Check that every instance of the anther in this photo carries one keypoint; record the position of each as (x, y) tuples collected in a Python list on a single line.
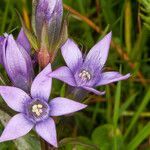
[(40, 106), (85, 75), (37, 109)]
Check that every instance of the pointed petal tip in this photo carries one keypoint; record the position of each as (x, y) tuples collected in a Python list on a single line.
[(124, 77), (127, 76), (67, 43), (23, 41), (83, 106), (109, 35), (102, 93), (55, 145)]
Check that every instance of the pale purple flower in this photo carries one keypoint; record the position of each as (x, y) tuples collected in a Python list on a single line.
[(87, 73), (49, 28), (48, 13), (34, 110), (17, 61)]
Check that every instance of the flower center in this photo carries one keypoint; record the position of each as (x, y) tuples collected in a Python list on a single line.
[(85, 75), (37, 110)]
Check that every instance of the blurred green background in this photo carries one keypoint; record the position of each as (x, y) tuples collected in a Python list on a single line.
[(119, 120)]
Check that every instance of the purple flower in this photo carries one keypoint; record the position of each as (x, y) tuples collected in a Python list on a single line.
[(17, 61), (34, 110), (49, 29), (48, 13), (87, 73)]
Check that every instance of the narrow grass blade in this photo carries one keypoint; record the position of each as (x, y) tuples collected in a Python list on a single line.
[(116, 111), (144, 133), (137, 114), (128, 102)]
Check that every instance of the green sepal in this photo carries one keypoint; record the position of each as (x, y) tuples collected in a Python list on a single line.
[(63, 35), (44, 43)]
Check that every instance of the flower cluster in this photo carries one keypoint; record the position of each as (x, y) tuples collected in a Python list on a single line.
[(29, 94)]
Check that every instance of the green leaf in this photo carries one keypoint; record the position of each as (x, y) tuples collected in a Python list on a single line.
[(103, 137), (79, 143)]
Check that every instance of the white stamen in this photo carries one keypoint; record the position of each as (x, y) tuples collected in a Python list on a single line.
[(37, 109), (85, 75), (38, 113), (40, 106), (34, 107), (40, 110)]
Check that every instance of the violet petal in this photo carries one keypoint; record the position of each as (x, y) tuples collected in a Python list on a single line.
[(23, 41), (17, 127), (97, 56), (47, 131), (109, 77), (90, 89), (41, 86), (72, 55), (14, 97), (64, 74), (63, 106)]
